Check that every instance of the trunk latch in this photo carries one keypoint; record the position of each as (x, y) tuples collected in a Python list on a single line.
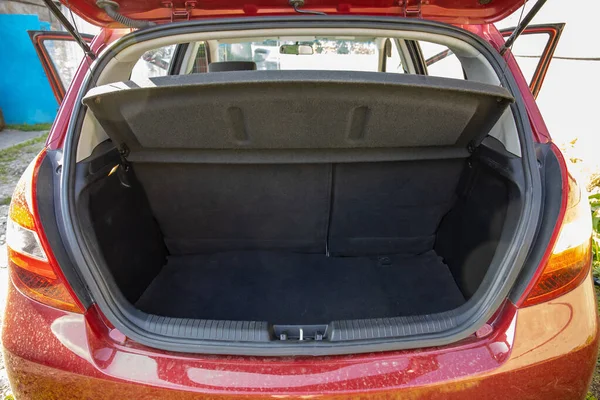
[(300, 333), (411, 10), (179, 14)]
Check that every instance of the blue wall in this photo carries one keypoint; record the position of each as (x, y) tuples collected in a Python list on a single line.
[(25, 94)]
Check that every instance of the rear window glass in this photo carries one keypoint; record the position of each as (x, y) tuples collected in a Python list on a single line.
[(379, 54), (317, 54), (66, 55)]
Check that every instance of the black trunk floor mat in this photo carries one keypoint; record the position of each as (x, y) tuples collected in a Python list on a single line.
[(288, 288)]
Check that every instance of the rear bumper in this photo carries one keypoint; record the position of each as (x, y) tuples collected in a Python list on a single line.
[(544, 351)]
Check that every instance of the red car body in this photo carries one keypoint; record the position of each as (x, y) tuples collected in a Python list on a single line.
[(543, 351), (539, 352)]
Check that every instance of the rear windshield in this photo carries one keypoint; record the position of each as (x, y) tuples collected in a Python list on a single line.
[(377, 54), (318, 54)]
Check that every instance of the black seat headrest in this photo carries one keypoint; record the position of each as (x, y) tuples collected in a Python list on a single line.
[(226, 66)]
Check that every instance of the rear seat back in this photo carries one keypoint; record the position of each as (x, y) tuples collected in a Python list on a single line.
[(229, 66), (345, 209), (390, 207), (209, 208)]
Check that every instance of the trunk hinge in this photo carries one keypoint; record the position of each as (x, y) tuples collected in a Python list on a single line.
[(70, 28), (411, 10), (180, 14), (522, 25)]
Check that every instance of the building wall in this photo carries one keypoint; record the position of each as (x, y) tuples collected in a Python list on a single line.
[(29, 7), (25, 94)]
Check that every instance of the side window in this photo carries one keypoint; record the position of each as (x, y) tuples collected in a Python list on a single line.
[(528, 50), (201, 59), (153, 63), (533, 50), (440, 61), (66, 56), (60, 56)]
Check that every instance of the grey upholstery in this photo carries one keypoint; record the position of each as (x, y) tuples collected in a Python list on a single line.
[(207, 208), (252, 110), (387, 208), (346, 209)]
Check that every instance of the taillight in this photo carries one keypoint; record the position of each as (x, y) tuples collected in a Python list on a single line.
[(33, 268), (569, 262)]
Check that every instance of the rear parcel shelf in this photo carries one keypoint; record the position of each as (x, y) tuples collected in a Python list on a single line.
[(266, 113)]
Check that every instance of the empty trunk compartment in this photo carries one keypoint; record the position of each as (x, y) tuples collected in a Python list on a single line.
[(363, 213), (298, 244)]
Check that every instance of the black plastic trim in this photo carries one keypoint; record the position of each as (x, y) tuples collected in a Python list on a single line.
[(417, 57), (551, 175), (131, 321), (47, 190), (267, 156), (178, 56)]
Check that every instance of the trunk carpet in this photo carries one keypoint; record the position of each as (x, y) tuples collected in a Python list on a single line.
[(289, 288)]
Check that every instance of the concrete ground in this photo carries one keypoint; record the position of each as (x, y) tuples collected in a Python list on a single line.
[(9, 137)]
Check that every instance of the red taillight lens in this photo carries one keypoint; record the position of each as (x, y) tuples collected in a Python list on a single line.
[(569, 262), (33, 268)]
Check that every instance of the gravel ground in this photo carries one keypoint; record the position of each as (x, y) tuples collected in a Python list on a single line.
[(13, 161), (6, 188)]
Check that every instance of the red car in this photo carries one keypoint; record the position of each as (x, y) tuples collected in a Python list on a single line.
[(381, 214)]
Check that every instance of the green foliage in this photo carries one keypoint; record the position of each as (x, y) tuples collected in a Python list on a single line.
[(344, 48), (29, 128), (318, 47)]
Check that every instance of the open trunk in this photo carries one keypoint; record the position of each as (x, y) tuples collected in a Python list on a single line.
[(251, 242), (305, 206)]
